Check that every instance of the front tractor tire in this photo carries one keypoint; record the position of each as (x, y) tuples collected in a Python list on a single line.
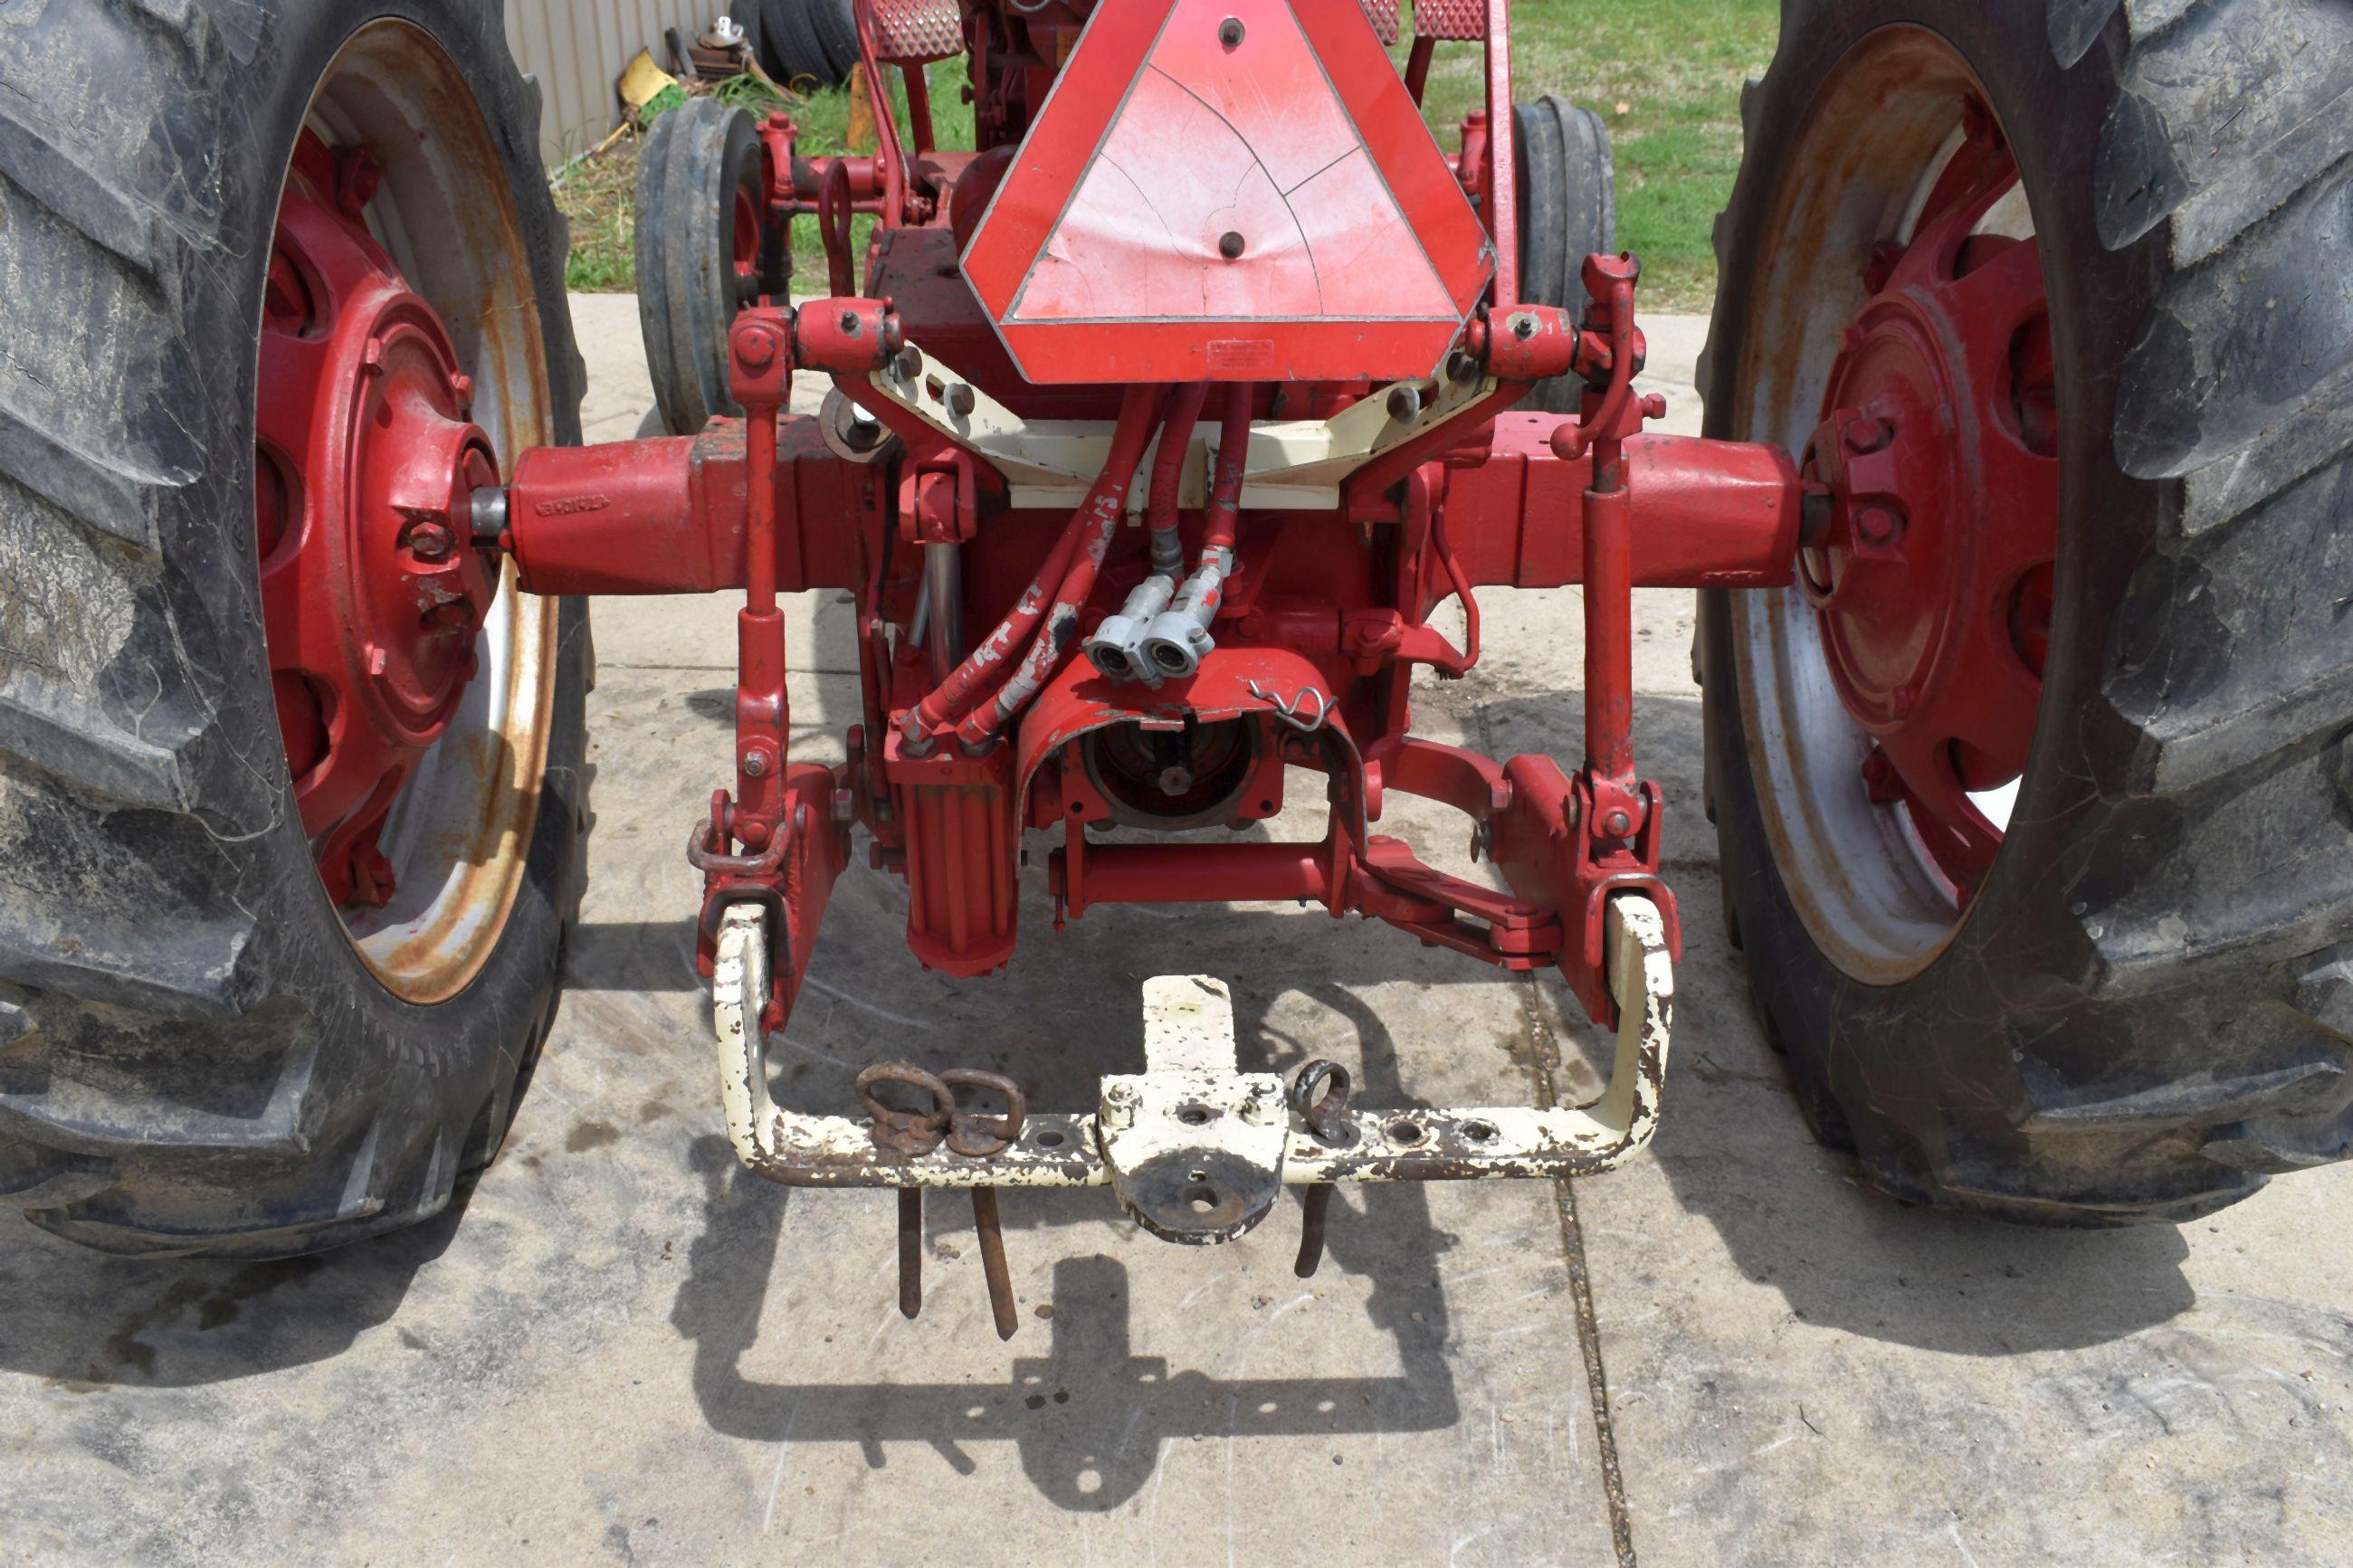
[(705, 250), (1567, 185), (2035, 795), (291, 775)]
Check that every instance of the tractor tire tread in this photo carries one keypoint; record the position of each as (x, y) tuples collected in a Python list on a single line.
[(2221, 884), (680, 263), (835, 26), (792, 49), (1568, 204), (161, 1091)]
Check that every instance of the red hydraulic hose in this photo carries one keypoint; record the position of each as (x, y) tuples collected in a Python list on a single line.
[(1099, 518), (972, 678), (1168, 475), (1179, 636)]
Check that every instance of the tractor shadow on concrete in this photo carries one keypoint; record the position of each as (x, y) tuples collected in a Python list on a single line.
[(1089, 1417), (1734, 1149), (85, 1320)]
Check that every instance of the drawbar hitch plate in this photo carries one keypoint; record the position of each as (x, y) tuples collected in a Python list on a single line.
[(1194, 1150)]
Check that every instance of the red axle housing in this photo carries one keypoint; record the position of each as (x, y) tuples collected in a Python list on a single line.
[(971, 474)]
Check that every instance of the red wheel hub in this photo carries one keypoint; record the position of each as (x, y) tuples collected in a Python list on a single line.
[(1932, 575), (372, 590)]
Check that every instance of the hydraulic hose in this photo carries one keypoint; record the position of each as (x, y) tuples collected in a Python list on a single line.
[(1179, 636), (1233, 455), (1099, 516), (1098, 519), (1168, 477), (972, 678), (1116, 649)]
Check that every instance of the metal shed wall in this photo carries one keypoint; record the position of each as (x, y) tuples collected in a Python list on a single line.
[(577, 47)]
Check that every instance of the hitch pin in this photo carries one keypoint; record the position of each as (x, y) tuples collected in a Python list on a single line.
[(978, 1137), (911, 1133), (1325, 1114), (992, 1262), (911, 1251)]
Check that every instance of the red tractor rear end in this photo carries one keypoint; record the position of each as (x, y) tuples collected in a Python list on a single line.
[(1162, 427)]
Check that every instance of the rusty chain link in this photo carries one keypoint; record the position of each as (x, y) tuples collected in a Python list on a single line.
[(906, 1133), (975, 1136), (971, 1133)]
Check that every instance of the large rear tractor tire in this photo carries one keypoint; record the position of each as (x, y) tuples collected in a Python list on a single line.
[(291, 775), (2035, 796)]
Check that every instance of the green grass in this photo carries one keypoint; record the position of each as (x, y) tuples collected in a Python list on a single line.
[(1664, 74), (599, 195), (824, 124)]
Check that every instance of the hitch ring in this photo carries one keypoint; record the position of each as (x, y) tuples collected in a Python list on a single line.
[(1325, 1114), (978, 1137), (908, 1132)]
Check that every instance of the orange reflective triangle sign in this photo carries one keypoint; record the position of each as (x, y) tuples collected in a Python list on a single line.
[(1228, 189)]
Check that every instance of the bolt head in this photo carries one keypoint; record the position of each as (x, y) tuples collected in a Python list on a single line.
[(1617, 824), (1875, 524), (1229, 245), (755, 763), (1865, 434), (1230, 32), (429, 542), (755, 350)]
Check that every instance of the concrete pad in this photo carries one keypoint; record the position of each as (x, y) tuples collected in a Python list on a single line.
[(626, 1348)]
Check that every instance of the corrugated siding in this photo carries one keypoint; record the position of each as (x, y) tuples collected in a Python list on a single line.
[(578, 48)]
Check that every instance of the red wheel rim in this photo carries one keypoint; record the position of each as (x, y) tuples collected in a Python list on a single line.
[(372, 594), (1933, 578)]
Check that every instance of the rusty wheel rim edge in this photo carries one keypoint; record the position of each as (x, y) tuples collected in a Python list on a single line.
[(456, 836), (1879, 900)]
